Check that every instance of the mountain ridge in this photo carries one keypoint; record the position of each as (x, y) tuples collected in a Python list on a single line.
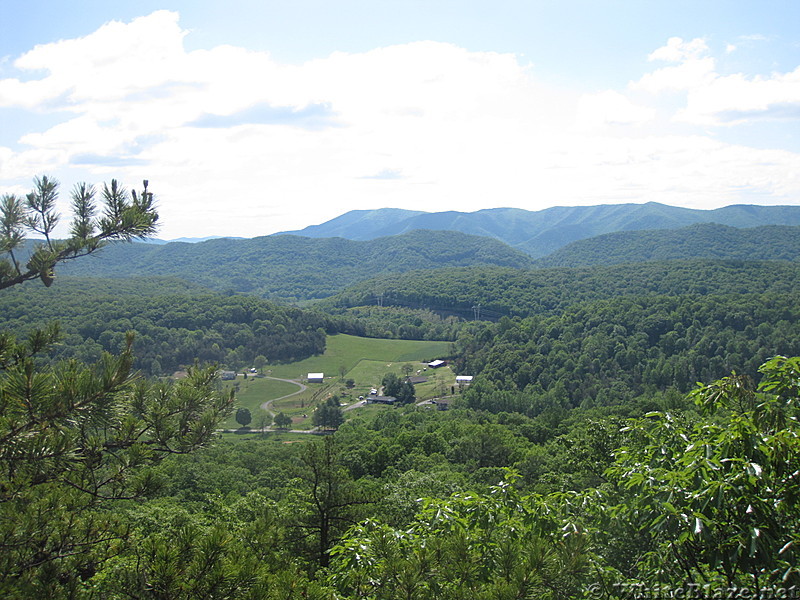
[(539, 233)]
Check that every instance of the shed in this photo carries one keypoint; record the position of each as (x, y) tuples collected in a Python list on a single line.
[(463, 379), (315, 377), (436, 364)]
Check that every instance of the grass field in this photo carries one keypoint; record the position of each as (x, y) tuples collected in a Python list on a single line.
[(365, 360), (252, 393), (348, 350)]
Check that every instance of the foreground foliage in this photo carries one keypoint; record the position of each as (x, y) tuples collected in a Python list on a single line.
[(76, 440), (706, 502)]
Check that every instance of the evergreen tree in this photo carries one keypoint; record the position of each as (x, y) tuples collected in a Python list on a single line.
[(76, 438), (124, 217)]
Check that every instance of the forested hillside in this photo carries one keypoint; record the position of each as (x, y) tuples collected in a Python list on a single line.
[(610, 351), (292, 267), (175, 323), (583, 461), (522, 292), (709, 241)]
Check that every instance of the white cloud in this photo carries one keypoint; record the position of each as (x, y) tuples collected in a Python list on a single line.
[(236, 143), (694, 68), (713, 99), (610, 108), (736, 99), (678, 50)]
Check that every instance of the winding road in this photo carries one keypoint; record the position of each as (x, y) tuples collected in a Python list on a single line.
[(267, 406)]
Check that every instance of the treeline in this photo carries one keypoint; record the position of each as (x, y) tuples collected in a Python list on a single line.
[(175, 323), (522, 292), (610, 351)]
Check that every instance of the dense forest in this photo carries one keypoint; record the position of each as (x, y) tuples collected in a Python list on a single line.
[(524, 292), (175, 324), (296, 268), (709, 240), (610, 351), (632, 431)]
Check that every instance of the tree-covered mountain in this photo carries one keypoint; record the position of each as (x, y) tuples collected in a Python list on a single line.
[(707, 240), (539, 233), (293, 267), (490, 293)]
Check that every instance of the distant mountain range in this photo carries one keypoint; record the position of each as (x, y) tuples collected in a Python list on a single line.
[(189, 240), (299, 268), (539, 233)]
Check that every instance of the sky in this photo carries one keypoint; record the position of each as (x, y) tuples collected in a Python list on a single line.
[(255, 117)]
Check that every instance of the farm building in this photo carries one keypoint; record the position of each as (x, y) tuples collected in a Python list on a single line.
[(315, 377), (381, 400), (436, 364), (463, 379)]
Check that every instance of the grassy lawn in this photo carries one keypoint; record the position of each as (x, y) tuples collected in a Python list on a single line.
[(440, 382)]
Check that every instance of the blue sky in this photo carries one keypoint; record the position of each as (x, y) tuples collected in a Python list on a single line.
[(255, 117)]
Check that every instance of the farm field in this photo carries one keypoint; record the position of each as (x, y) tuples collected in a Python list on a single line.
[(347, 350), (365, 360), (252, 393)]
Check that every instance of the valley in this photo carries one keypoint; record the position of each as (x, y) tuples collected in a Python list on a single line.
[(595, 370)]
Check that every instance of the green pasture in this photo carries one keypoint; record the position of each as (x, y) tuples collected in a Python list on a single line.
[(348, 350), (365, 360), (252, 393), (440, 383)]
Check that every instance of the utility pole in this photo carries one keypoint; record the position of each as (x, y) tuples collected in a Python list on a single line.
[(476, 312)]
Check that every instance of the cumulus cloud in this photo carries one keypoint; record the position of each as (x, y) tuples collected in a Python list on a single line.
[(610, 108), (736, 99), (716, 99), (237, 143), (678, 50)]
